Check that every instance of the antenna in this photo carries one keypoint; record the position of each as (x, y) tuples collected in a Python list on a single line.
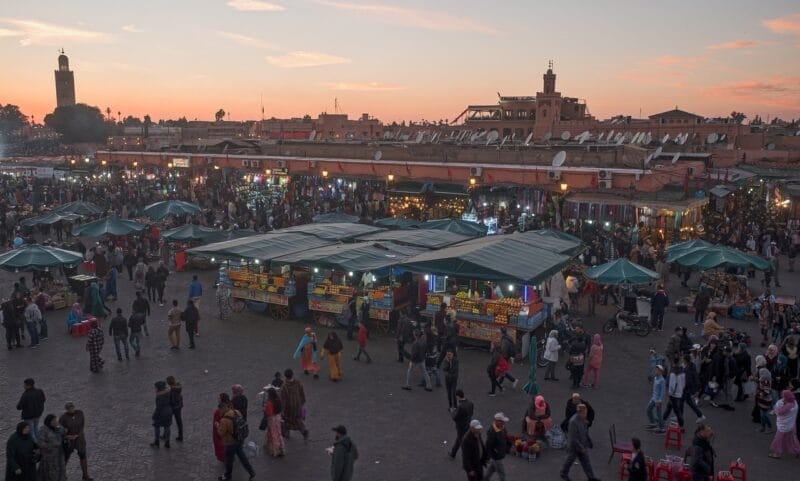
[(565, 135), (528, 139), (335, 105), (559, 158), (378, 155), (676, 157), (657, 152), (665, 139)]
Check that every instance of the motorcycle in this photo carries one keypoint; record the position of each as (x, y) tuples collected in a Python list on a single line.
[(629, 322)]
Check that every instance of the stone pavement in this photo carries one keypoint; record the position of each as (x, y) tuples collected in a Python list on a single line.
[(401, 435)]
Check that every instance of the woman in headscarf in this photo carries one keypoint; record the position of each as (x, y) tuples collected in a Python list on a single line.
[(332, 349), (75, 315), (760, 363), (551, 355), (307, 352), (790, 350), (538, 414), (94, 345), (98, 306), (111, 284), (785, 440), (595, 361), (50, 439), (222, 406), (20, 460), (764, 399), (239, 400), (273, 438)]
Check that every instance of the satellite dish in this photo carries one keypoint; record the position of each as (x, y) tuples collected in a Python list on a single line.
[(581, 139), (505, 139), (473, 137), (683, 138), (648, 159), (312, 135), (481, 134), (559, 158), (493, 135), (547, 136), (565, 135), (610, 135), (657, 152), (665, 139), (419, 138), (600, 137), (723, 137), (797, 134), (635, 139), (712, 138), (378, 155), (621, 139), (528, 139), (770, 146), (435, 137), (676, 157)]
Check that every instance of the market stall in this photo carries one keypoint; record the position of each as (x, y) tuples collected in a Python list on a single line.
[(43, 260), (250, 282)]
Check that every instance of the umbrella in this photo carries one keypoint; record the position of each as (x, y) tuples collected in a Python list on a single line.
[(677, 249), (225, 235), (400, 223), (334, 217), (558, 235), (463, 227), (703, 258), (80, 207), (50, 218), (188, 232), (107, 225), (166, 208), (36, 257), (620, 271), (530, 387)]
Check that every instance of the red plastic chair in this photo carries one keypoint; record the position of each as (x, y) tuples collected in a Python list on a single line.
[(738, 471), (622, 448), (674, 437), (725, 476), (623, 465), (663, 471)]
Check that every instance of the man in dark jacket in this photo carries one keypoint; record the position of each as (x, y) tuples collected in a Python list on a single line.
[(417, 361), (572, 408), (701, 454), (450, 368), (744, 369), (176, 401), (659, 303), (343, 455), (497, 447), (118, 329), (142, 308), (461, 417), (473, 452), (31, 405), (578, 444), (162, 415), (701, 302)]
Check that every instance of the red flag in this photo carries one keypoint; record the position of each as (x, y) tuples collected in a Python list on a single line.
[(373, 168), (408, 168), (449, 173), (490, 177), (341, 168), (594, 180)]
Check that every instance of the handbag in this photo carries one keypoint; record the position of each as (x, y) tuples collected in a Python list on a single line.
[(263, 424)]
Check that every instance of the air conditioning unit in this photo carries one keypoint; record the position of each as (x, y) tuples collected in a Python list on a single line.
[(281, 164), (605, 184), (604, 175), (255, 163), (245, 163), (554, 175), (475, 171)]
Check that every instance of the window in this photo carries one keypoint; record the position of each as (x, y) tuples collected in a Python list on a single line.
[(509, 114), (506, 132), (522, 115), (544, 112)]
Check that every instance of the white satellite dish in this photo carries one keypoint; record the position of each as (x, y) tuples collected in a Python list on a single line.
[(636, 136), (481, 133), (528, 139), (657, 152), (378, 155), (797, 134), (770, 146), (600, 137), (676, 157), (473, 137), (582, 138), (547, 136), (312, 135), (435, 137), (505, 139), (665, 139), (493, 135), (712, 138), (648, 159), (610, 135), (565, 135), (723, 137), (420, 136), (682, 138), (621, 139), (559, 158)]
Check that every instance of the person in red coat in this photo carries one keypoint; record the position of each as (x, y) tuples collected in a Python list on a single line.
[(219, 447), (362, 343)]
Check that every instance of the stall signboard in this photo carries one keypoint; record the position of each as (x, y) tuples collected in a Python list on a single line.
[(378, 313), (321, 305), (259, 295), (180, 162), (483, 331)]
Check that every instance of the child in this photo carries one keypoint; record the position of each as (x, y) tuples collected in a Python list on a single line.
[(362, 343), (595, 361)]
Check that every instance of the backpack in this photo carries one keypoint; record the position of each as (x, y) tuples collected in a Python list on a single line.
[(240, 428)]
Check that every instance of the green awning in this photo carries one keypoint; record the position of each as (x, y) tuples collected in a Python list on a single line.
[(80, 207), (408, 188), (543, 239), (457, 226), (225, 235), (359, 257), (107, 225), (338, 232), (621, 271), (426, 238), (704, 258), (719, 191), (160, 210), (188, 232), (334, 217), (450, 189), (496, 258), (264, 247), (36, 257), (50, 218), (396, 223)]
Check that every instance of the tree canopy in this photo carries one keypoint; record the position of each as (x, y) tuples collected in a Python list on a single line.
[(78, 123), (12, 120)]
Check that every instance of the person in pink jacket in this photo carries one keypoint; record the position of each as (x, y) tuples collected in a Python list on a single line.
[(595, 361)]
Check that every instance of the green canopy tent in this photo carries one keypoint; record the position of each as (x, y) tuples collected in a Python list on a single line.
[(35, 257), (429, 239), (188, 232), (704, 258), (400, 223), (263, 247), (358, 257), (160, 210), (456, 226), (225, 235), (335, 232), (494, 258), (79, 207), (568, 245), (620, 271), (556, 234), (675, 250), (107, 225), (335, 218), (50, 218)]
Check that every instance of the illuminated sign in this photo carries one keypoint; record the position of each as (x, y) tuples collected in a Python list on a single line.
[(180, 162)]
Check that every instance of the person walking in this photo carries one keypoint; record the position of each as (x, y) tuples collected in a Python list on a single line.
[(111, 284), (273, 437), (9, 322), (174, 329), (675, 390), (658, 305), (404, 335), (161, 281), (41, 303), (307, 352), (150, 283), (450, 369), (99, 308), (195, 293), (595, 361), (332, 351), (701, 302), (223, 401), (362, 343), (94, 346), (473, 452), (118, 330), (31, 406), (343, 455), (239, 400), (231, 427), (497, 447), (637, 466), (293, 400), (141, 308), (572, 407), (129, 261), (176, 402), (654, 406), (32, 319), (52, 466), (578, 444), (744, 370), (74, 423), (551, 349), (21, 454), (417, 362), (140, 276), (701, 454), (162, 415), (785, 440), (461, 417), (577, 359), (190, 317), (692, 387), (135, 323)]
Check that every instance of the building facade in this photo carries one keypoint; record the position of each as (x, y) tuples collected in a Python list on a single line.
[(65, 82)]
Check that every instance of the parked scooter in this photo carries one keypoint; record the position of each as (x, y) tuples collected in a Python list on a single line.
[(628, 322)]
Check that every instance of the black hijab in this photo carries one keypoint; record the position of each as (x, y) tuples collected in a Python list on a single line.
[(20, 427), (333, 344)]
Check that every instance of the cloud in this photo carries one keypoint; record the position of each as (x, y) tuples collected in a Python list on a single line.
[(788, 24), (255, 6), (364, 87), (411, 18), (131, 29), (778, 91), (735, 45), (246, 41), (300, 59), (35, 32), (678, 61)]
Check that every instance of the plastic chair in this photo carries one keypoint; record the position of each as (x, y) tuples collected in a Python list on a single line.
[(725, 476), (674, 438), (738, 470), (622, 448), (663, 471), (623, 465)]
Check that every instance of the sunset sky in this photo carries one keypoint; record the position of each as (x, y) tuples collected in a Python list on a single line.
[(398, 60)]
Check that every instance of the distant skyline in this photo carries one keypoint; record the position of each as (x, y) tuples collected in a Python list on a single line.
[(408, 60)]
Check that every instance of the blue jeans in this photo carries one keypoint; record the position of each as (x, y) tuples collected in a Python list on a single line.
[(655, 418), (766, 422), (42, 328), (34, 424), (136, 342), (232, 451), (33, 331), (121, 340)]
